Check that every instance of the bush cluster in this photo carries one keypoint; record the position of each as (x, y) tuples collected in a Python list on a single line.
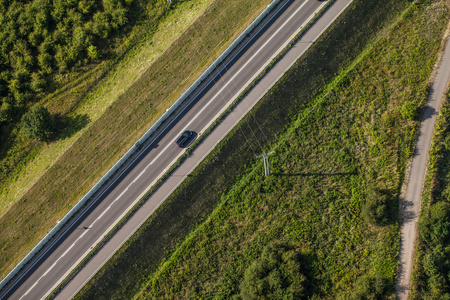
[(370, 287), (435, 235), (38, 123), (377, 208), (277, 274)]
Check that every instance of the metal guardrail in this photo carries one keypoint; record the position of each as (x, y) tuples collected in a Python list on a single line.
[(135, 148)]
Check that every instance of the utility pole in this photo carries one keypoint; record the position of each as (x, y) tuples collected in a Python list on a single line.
[(266, 162)]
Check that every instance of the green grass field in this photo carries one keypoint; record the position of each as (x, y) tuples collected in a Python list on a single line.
[(68, 173), (342, 133)]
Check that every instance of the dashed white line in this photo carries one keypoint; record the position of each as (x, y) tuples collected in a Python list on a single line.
[(68, 249)]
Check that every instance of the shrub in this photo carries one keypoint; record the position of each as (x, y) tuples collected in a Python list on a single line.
[(409, 110), (277, 274), (435, 229), (376, 210), (370, 287), (38, 123), (447, 142)]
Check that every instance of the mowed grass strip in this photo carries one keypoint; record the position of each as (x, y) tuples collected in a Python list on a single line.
[(355, 135), (107, 139)]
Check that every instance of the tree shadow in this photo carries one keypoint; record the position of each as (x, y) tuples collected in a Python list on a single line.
[(68, 126), (315, 174)]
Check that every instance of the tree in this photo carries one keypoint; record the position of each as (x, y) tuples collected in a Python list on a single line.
[(376, 210), (370, 287), (38, 123), (409, 110), (435, 230), (101, 26), (92, 52), (7, 111), (38, 82), (277, 274)]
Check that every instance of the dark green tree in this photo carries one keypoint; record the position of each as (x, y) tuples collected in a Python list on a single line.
[(38, 82), (435, 230), (38, 123), (409, 110), (376, 209), (370, 287), (7, 111), (277, 274)]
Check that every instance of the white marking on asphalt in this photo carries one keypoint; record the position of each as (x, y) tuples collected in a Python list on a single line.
[(157, 156), (137, 177), (29, 290), (102, 214), (49, 269), (68, 249)]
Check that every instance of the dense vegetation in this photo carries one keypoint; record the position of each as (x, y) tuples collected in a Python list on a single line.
[(42, 38), (346, 147), (432, 269), (276, 274)]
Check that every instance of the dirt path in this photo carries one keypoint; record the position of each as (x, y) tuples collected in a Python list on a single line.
[(410, 206)]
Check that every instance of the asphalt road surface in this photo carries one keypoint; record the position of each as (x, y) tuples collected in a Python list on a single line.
[(411, 203), (161, 153)]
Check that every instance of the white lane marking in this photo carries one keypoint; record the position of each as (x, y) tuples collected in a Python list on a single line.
[(49, 269), (71, 246), (232, 78), (137, 177), (157, 156), (68, 249), (29, 290), (103, 213)]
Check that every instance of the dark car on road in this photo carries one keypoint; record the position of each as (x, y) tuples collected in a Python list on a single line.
[(183, 139)]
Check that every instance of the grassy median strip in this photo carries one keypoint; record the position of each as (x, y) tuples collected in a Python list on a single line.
[(120, 125), (222, 217)]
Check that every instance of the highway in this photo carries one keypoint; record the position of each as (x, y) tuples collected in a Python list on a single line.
[(157, 156)]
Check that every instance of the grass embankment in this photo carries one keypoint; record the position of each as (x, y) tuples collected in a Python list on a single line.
[(354, 137), (431, 261), (119, 125)]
